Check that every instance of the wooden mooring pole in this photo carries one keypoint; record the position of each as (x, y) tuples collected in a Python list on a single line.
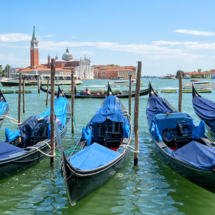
[(129, 101), (180, 91), (38, 81), (136, 113), (23, 94), (72, 102), (47, 93), (19, 98), (52, 110)]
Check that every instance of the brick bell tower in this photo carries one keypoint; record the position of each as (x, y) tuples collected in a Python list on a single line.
[(34, 50)]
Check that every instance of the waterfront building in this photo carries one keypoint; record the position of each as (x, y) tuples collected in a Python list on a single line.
[(79, 67), (114, 72)]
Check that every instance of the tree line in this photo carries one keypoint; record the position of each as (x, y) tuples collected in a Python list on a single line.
[(4, 72), (199, 75)]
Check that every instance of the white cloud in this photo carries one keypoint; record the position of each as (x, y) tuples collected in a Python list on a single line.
[(14, 37), (202, 33)]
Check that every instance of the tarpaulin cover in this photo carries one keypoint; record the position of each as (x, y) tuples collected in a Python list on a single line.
[(11, 135), (164, 121), (198, 155), (6, 149), (87, 135), (110, 109), (3, 107), (205, 109), (126, 131), (60, 109), (156, 105), (93, 157), (34, 128)]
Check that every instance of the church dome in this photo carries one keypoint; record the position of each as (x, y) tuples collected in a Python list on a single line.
[(67, 56)]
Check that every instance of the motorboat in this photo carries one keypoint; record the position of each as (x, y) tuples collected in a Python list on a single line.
[(199, 85), (186, 77), (123, 83), (32, 80), (60, 79)]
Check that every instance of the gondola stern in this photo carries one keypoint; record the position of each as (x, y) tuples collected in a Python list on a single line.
[(109, 90), (194, 92), (151, 91)]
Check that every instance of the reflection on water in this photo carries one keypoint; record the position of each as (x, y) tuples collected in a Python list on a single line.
[(149, 188)]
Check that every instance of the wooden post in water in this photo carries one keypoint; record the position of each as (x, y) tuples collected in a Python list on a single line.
[(52, 109), (47, 93), (136, 113), (23, 94), (180, 91), (72, 102), (38, 81), (129, 101), (19, 98)]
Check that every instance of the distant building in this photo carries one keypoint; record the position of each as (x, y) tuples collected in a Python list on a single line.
[(80, 67), (114, 72)]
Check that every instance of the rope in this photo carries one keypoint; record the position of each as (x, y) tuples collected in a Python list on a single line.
[(127, 147), (73, 119), (31, 147)]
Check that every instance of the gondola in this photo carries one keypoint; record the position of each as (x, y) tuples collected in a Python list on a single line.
[(4, 109), (26, 146), (183, 146), (104, 143), (205, 110), (94, 96)]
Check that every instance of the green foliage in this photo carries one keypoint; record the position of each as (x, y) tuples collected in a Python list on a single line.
[(7, 91), (182, 72), (199, 91), (28, 67), (7, 67), (200, 71), (26, 91), (113, 65), (168, 91)]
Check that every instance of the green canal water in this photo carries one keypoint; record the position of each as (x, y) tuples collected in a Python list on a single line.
[(149, 188)]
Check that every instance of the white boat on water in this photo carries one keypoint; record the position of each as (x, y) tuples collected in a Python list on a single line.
[(60, 79), (32, 80), (199, 85), (123, 83)]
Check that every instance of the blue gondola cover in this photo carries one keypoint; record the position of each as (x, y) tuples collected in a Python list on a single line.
[(156, 105), (93, 157), (7, 150), (111, 110), (32, 127), (163, 121), (205, 109), (198, 155)]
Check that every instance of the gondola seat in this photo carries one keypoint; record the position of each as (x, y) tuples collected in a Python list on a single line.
[(181, 125)]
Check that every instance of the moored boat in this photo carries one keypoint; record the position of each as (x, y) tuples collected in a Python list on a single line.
[(28, 145), (4, 109), (205, 110), (184, 146), (123, 83), (104, 142), (97, 95), (199, 85)]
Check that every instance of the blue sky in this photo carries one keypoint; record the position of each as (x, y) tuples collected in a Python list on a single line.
[(165, 35)]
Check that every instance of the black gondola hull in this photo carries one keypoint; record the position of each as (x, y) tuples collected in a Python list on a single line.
[(20, 163), (203, 178), (81, 184), (68, 95)]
